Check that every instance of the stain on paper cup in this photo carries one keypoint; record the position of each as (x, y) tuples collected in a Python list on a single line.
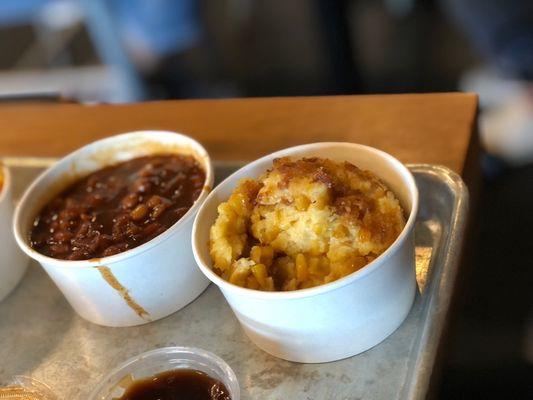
[(124, 293)]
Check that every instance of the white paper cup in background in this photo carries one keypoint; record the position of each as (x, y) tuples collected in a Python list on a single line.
[(338, 319), (13, 262), (139, 285)]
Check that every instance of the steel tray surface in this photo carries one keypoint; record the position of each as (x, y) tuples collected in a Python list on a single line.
[(42, 337)]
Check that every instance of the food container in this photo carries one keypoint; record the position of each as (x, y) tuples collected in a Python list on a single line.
[(153, 362), (139, 285), (338, 319), (13, 262), (26, 388)]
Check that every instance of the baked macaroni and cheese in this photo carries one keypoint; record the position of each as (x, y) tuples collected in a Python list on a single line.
[(304, 223)]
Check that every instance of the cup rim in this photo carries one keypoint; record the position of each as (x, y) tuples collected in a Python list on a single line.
[(6, 185), (204, 354), (200, 153), (369, 268)]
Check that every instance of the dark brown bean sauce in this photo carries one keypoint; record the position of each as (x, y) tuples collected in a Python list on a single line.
[(118, 207), (181, 384)]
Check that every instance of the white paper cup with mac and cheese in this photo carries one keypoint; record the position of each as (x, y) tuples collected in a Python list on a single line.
[(338, 319)]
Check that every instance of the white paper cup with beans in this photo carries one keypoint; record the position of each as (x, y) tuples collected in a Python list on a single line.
[(111, 224)]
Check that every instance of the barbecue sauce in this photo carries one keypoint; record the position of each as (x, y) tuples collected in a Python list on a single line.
[(180, 384)]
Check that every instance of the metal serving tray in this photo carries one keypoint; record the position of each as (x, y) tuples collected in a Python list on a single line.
[(42, 337)]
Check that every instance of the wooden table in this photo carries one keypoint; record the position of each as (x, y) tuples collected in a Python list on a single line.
[(432, 128)]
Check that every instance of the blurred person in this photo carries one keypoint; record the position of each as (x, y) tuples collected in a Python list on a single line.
[(170, 45), (153, 44), (155, 29), (502, 32), (166, 42)]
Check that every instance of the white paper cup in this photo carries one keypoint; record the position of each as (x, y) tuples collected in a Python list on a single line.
[(338, 319), (139, 285), (13, 262)]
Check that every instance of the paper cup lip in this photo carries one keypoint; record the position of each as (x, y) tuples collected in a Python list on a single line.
[(21, 234), (6, 182), (408, 181)]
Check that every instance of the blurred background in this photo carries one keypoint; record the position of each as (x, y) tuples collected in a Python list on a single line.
[(128, 50), (134, 50)]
